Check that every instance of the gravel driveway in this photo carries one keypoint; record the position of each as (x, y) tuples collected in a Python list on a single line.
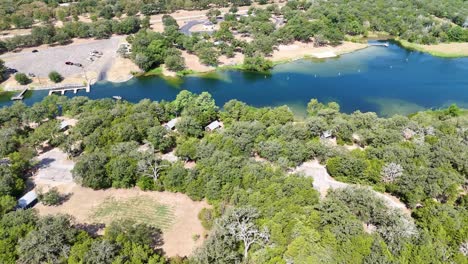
[(323, 181)]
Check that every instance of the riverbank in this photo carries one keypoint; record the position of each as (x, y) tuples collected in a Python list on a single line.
[(282, 54), (444, 50)]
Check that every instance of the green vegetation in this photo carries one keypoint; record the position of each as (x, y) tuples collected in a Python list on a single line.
[(260, 213), (2, 71), (443, 54), (142, 209), (55, 77), (51, 197), (22, 78)]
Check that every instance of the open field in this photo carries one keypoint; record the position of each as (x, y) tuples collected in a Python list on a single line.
[(447, 50), (139, 209), (175, 213)]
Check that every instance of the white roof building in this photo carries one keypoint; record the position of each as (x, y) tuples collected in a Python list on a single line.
[(327, 134), (171, 124), (27, 199), (65, 124), (213, 125)]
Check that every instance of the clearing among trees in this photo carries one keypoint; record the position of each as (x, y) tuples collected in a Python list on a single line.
[(176, 214)]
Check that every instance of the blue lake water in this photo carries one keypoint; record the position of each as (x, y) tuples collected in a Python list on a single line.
[(384, 80)]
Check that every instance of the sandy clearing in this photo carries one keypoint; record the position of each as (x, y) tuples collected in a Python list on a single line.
[(54, 170), (299, 50), (192, 62), (121, 70), (178, 238), (237, 59), (323, 181)]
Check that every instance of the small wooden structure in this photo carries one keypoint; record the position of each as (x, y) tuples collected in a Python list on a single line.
[(27, 200), (213, 125)]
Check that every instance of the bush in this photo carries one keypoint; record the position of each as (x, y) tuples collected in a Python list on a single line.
[(55, 77), (52, 197), (146, 183), (175, 62), (257, 63), (22, 79), (206, 217)]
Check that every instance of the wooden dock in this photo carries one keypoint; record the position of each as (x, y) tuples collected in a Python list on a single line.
[(70, 87), (20, 96), (381, 44)]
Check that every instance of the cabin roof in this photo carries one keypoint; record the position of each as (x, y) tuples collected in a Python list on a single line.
[(27, 199), (65, 123), (213, 125), (171, 124)]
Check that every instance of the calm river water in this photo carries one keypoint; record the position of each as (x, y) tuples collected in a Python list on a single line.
[(384, 80)]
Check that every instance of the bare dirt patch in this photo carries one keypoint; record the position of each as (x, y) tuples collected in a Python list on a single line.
[(193, 62), (121, 70), (299, 50), (54, 169), (175, 213), (323, 181)]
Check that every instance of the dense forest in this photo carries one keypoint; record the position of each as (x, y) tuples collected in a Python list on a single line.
[(262, 213), (323, 22)]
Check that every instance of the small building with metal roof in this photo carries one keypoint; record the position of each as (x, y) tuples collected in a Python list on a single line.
[(213, 125), (27, 200), (171, 124)]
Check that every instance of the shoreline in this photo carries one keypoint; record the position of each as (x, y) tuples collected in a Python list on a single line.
[(443, 50), (283, 54)]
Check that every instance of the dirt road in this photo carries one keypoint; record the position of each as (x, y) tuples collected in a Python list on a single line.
[(323, 181)]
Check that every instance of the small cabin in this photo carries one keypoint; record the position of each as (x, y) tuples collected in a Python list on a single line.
[(213, 125), (171, 124), (27, 200), (326, 134), (65, 124)]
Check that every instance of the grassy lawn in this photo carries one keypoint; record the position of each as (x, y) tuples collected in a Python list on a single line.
[(140, 209), (443, 51)]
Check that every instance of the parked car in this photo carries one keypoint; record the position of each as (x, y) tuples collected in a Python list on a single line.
[(34, 51), (69, 63), (11, 71), (31, 74), (90, 58), (78, 64)]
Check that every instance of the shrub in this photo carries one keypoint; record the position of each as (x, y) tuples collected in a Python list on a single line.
[(146, 183), (52, 197), (22, 78), (55, 77)]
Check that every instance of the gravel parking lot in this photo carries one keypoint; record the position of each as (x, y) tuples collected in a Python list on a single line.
[(48, 59), (54, 168)]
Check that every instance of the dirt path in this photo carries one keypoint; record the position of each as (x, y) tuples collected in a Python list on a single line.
[(323, 181)]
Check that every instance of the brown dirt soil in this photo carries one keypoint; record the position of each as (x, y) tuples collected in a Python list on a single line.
[(121, 70), (178, 237), (298, 50)]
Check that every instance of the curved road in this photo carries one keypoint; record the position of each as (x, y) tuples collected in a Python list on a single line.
[(323, 181)]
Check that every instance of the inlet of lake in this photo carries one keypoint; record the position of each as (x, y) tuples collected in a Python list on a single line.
[(387, 80)]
